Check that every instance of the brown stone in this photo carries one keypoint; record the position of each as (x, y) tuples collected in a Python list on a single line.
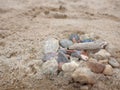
[(103, 61), (96, 67), (83, 75), (108, 70)]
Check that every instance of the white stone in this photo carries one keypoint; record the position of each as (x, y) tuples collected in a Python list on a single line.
[(69, 67)]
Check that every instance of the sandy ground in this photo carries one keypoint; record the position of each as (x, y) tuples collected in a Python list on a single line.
[(25, 24)]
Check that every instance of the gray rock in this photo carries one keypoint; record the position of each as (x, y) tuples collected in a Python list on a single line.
[(113, 62), (89, 45), (50, 67), (76, 54), (83, 75), (74, 37), (65, 43), (62, 58), (64, 50), (51, 45)]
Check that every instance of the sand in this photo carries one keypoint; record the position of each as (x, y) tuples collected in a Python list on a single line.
[(25, 24)]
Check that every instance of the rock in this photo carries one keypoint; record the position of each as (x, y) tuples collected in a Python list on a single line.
[(89, 45), (103, 61), (113, 62), (50, 67), (102, 54), (84, 88), (51, 45), (76, 53), (49, 56), (96, 67), (62, 58), (83, 75), (75, 38), (64, 50), (84, 57), (60, 66), (65, 43), (70, 67), (93, 60), (73, 59), (108, 70), (87, 40)]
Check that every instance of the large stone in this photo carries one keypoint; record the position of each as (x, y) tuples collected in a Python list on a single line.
[(96, 67), (89, 45), (113, 62), (102, 54), (83, 75), (65, 43), (50, 67), (108, 70), (51, 45), (69, 67)]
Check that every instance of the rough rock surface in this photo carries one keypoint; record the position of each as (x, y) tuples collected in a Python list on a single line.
[(96, 67), (88, 45), (51, 45), (103, 61), (70, 67), (83, 75), (108, 70), (114, 63), (65, 43), (102, 54)]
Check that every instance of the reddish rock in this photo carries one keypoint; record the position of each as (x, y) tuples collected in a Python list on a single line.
[(96, 67)]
